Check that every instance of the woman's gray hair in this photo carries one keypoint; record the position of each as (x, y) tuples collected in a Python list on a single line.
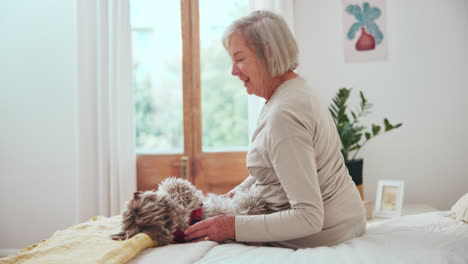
[(269, 37)]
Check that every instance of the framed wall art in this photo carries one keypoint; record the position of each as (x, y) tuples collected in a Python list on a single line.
[(365, 30), (389, 199)]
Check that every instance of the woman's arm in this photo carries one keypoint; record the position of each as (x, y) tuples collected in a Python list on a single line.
[(242, 186), (293, 160), (294, 163)]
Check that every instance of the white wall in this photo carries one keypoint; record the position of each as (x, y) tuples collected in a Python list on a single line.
[(38, 120), (423, 83)]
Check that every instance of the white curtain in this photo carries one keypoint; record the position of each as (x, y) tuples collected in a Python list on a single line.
[(285, 8), (107, 175)]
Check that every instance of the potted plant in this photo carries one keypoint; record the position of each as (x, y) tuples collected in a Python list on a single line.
[(352, 133)]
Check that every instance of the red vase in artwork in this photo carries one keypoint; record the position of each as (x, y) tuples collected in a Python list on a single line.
[(366, 41)]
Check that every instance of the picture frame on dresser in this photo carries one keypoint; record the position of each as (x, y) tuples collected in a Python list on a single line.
[(389, 198)]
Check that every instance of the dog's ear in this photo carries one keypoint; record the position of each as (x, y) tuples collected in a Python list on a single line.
[(129, 226), (120, 236), (160, 234), (126, 234)]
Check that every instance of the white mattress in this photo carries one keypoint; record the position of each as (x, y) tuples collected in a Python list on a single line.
[(423, 238)]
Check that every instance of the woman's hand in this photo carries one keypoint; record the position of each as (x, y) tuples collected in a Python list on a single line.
[(217, 228)]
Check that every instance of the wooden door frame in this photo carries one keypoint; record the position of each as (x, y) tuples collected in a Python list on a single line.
[(191, 86), (206, 172), (152, 168)]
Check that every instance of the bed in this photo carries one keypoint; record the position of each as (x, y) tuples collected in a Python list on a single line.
[(421, 238)]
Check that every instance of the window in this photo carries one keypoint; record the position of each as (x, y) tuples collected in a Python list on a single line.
[(188, 105), (224, 99), (157, 57)]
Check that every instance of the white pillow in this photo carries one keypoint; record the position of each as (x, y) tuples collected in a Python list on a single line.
[(460, 209)]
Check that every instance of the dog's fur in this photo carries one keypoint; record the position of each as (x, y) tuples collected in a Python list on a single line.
[(160, 213)]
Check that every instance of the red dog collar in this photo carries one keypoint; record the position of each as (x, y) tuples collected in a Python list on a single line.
[(195, 217)]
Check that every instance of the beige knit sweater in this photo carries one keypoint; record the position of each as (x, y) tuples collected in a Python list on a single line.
[(296, 164)]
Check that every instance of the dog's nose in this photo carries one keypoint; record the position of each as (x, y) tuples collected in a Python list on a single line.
[(135, 194)]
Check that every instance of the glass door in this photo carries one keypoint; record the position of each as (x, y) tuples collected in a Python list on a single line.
[(225, 136), (191, 113)]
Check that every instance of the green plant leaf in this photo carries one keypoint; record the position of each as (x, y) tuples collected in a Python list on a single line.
[(352, 133), (359, 128), (356, 138), (387, 125), (333, 112), (343, 118), (375, 129), (363, 99), (333, 108), (355, 147), (368, 135)]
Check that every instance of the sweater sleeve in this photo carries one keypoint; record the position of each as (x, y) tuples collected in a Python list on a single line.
[(293, 161), (245, 184)]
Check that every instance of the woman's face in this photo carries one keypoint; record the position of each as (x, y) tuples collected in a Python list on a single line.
[(246, 65)]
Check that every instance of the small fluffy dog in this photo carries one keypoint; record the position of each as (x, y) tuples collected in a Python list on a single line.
[(161, 213)]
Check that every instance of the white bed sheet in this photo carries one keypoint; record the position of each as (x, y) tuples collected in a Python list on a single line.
[(423, 238)]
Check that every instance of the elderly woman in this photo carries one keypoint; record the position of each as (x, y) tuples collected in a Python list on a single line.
[(294, 160)]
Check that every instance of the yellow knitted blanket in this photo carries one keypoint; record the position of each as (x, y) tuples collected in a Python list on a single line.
[(88, 242)]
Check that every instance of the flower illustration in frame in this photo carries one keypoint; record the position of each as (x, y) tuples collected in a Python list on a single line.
[(364, 26)]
